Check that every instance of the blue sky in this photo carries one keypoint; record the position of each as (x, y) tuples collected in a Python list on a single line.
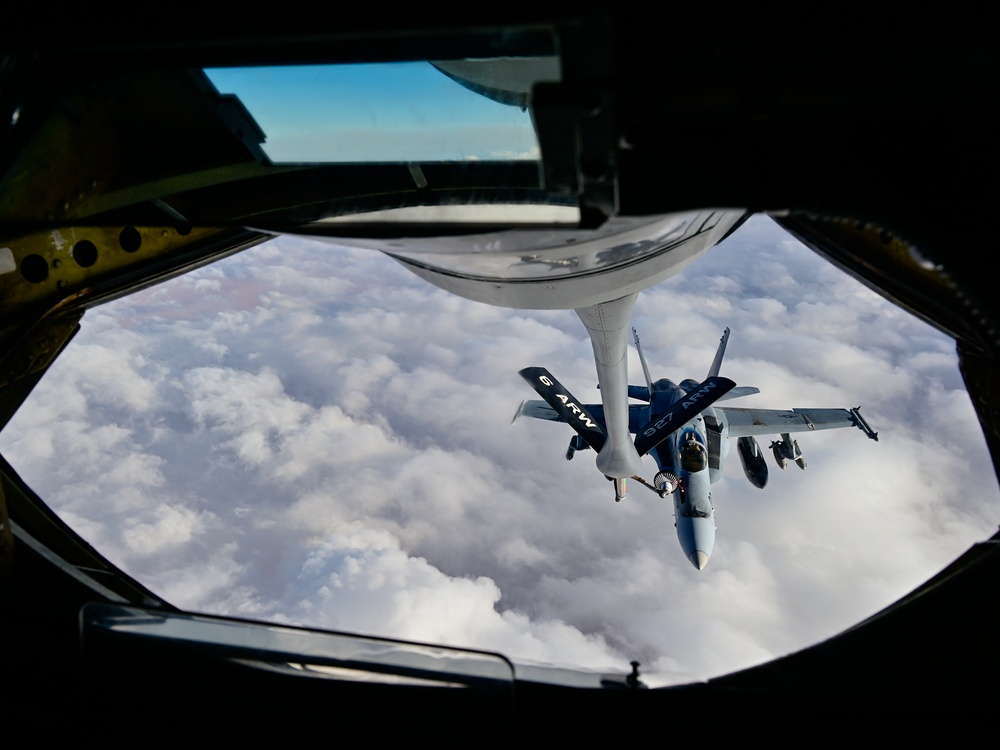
[(310, 434), (375, 112)]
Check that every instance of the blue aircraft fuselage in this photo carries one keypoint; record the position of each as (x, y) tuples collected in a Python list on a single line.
[(683, 461)]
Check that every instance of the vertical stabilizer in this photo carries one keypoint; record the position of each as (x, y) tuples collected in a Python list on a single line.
[(717, 362), (645, 367)]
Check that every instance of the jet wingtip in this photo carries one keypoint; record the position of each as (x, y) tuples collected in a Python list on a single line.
[(519, 412)]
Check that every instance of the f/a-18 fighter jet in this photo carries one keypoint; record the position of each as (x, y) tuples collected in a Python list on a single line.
[(686, 435)]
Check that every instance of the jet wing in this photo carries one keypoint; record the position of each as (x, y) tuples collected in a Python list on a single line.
[(637, 413), (754, 422)]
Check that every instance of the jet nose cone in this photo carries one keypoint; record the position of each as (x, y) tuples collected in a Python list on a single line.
[(699, 559)]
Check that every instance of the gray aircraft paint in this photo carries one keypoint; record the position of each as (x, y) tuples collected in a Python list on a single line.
[(693, 510)]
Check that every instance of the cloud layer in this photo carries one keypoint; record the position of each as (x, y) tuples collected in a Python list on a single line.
[(310, 434)]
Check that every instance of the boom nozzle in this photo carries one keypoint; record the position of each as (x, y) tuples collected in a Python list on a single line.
[(619, 490)]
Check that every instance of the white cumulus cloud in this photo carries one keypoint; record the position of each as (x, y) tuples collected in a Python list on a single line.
[(311, 434)]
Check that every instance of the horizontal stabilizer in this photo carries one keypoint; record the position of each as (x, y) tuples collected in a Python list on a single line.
[(653, 433), (639, 392), (571, 411)]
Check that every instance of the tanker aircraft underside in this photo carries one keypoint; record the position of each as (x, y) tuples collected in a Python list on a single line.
[(685, 434)]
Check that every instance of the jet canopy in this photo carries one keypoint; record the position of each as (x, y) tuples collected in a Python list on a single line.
[(693, 455)]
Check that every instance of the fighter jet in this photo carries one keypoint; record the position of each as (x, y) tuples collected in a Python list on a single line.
[(687, 436)]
